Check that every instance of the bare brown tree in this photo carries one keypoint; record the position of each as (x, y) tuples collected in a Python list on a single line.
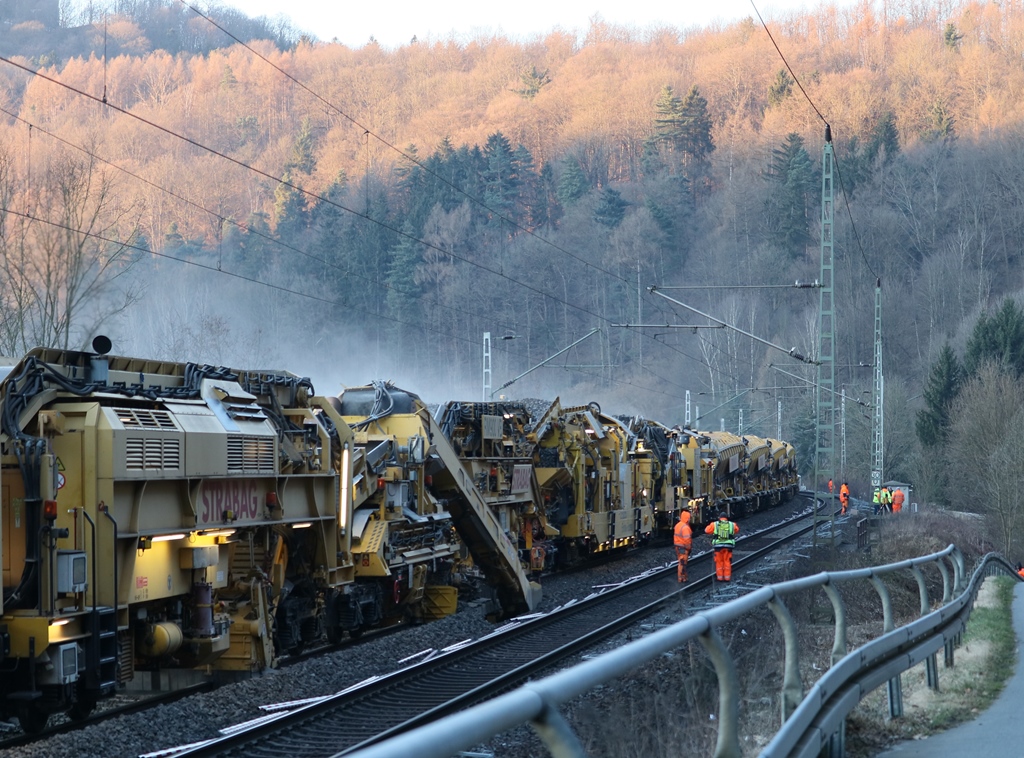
[(63, 259)]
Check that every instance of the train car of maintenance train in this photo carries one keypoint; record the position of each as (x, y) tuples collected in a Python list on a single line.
[(576, 482), (182, 519), (171, 520)]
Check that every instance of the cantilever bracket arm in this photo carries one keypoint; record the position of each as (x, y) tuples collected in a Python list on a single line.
[(549, 358), (792, 353)]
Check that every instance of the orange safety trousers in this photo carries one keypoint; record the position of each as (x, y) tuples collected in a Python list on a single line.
[(723, 564), (682, 555)]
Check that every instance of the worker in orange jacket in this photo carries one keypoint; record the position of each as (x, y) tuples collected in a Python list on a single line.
[(844, 497), (1020, 571), (723, 540), (897, 501), (683, 539)]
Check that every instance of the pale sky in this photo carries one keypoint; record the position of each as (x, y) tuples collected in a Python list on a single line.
[(394, 23)]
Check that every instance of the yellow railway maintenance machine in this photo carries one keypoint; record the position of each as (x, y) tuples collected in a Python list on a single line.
[(173, 518)]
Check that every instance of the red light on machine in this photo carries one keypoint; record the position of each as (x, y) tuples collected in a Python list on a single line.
[(271, 499), (380, 482), (50, 509), (430, 480)]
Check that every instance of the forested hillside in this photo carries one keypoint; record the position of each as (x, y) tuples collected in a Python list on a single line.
[(359, 213)]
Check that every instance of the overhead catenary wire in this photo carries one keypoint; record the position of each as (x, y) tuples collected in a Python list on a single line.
[(367, 133), (242, 226), (258, 282), (828, 126), (329, 201), (791, 352)]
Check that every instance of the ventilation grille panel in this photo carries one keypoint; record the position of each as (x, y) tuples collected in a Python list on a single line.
[(248, 454), (152, 454), (144, 418)]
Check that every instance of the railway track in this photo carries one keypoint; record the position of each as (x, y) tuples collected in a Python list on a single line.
[(142, 703), (466, 674)]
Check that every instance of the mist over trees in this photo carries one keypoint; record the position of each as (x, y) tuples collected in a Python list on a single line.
[(534, 190)]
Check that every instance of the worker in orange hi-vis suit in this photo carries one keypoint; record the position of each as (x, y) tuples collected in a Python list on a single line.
[(723, 540), (683, 539), (844, 497), (897, 501)]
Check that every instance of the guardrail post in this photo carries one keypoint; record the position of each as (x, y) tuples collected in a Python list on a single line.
[(728, 695), (792, 687), (556, 733), (947, 585), (895, 692), (922, 590), (931, 671), (836, 746), (949, 647), (895, 686), (959, 570), (839, 611), (931, 663), (883, 594)]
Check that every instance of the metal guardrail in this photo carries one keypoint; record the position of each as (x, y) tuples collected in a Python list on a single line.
[(811, 724)]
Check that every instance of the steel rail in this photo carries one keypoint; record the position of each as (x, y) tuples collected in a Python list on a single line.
[(810, 725), (144, 702), (394, 704)]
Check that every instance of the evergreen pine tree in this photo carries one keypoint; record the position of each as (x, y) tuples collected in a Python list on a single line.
[(651, 162), (409, 174), (944, 382), (572, 184), (546, 210), (402, 298), (227, 78), (173, 240), (695, 125), (529, 205), (327, 226), (533, 81), (780, 89), (257, 249), (289, 211), (885, 140), (668, 118), (247, 128), (793, 172), (500, 178), (951, 37), (942, 124), (303, 158), (998, 339), (611, 208)]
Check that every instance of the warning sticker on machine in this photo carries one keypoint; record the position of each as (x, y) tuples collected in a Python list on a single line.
[(141, 581)]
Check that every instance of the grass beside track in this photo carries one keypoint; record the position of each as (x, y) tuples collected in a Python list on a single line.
[(982, 665)]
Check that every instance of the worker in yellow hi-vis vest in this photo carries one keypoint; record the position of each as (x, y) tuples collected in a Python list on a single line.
[(723, 540)]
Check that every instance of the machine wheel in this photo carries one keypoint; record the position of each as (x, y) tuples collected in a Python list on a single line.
[(32, 721), (81, 709)]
